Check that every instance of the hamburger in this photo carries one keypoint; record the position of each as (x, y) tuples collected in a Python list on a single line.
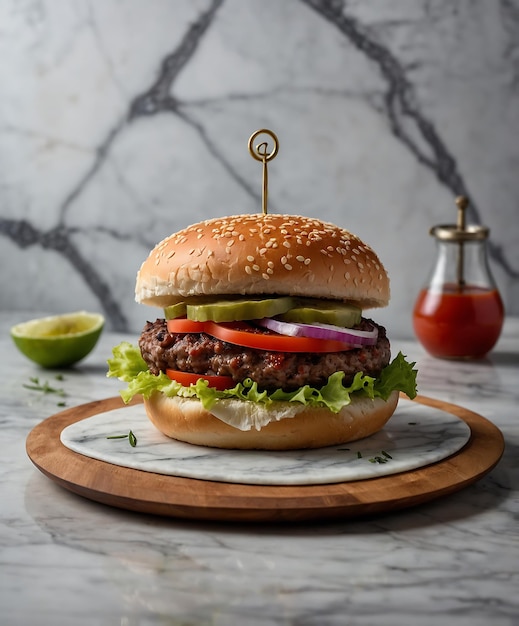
[(263, 343)]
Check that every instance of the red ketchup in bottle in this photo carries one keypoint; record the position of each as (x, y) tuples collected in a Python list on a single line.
[(459, 314), (458, 323)]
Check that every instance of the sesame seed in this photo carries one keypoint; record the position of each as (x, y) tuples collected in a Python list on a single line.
[(255, 268), (286, 244), (250, 258), (288, 266), (308, 261), (248, 269), (265, 276), (284, 260), (300, 258)]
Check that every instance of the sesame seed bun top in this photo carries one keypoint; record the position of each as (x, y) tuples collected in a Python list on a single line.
[(257, 254)]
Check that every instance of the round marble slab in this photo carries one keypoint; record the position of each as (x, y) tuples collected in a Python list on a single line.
[(416, 436)]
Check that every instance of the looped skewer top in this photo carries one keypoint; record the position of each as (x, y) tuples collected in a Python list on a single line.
[(261, 153)]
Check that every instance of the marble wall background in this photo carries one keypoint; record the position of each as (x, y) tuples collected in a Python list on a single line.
[(122, 121)]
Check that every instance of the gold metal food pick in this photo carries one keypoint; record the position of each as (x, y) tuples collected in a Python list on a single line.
[(261, 153)]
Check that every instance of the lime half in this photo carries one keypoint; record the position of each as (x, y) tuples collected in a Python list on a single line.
[(60, 340)]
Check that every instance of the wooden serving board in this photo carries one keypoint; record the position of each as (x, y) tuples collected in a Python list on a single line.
[(158, 494)]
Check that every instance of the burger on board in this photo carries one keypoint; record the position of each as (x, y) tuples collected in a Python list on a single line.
[(263, 343)]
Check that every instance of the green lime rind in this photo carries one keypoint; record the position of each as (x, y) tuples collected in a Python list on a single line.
[(59, 340)]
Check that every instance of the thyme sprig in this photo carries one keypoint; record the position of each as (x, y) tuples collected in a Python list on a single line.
[(130, 436), (45, 387)]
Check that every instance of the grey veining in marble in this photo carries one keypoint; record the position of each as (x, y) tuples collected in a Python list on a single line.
[(121, 122), (414, 437)]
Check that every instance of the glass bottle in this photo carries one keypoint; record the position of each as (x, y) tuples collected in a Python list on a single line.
[(459, 314)]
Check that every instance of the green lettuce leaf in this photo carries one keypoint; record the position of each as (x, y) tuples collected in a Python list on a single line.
[(128, 366), (399, 374)]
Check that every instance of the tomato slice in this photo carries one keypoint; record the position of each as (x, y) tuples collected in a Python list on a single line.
[(183, 325), (188, 378), (243, 334)]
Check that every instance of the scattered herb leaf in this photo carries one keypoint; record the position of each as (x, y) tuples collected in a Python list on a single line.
[(359, 455), (378, 459), (412, 423), (130, 436), (383, 457), (44, 387)]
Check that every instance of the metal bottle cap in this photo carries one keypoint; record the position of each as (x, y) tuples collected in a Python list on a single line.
[(460, 231)]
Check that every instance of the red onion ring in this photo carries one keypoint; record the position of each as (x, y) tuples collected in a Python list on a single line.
[(355, 338)]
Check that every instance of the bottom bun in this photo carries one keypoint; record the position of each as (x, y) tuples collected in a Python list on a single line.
[(185, 419)]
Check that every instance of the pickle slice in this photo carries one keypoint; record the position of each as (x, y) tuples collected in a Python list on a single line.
[(324, 312), (175, 310), (234, 310)]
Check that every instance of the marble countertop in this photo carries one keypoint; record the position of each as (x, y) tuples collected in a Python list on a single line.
[(68, 560)]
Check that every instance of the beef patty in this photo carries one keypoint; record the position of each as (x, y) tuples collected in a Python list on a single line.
[(200, 353)]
